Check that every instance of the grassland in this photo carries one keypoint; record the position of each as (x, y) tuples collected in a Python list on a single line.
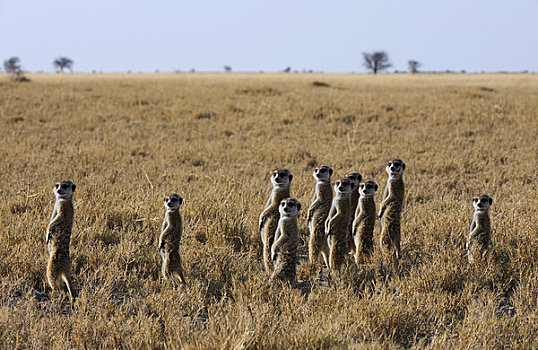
[(127, 140)]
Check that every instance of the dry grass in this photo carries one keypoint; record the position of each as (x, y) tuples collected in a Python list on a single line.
[(127, 140)]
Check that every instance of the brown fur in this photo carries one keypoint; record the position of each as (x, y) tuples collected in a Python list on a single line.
[(169, 241), (390, 212), (479, 238), (58, 240), (363, 227), (284, 249), (337, 227), (355, 178), (268, 221), (317, 216)]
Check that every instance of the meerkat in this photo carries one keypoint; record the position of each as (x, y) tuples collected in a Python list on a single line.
[(284, 248), (268, 222), (170, 237), (355, 179), (391, 208), (337, 224), (363, 225), (59, 236), (318, 213), (480, 233)]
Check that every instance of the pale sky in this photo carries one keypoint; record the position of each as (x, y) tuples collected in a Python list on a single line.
[(329, 36)]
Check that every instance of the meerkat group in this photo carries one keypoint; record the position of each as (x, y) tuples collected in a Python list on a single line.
[(338, 224)]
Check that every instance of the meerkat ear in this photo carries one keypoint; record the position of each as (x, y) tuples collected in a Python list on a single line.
[(403, 165), (330, 171), (73, 187), (490, 200), (298, 206), (375, 186), (290, 177), (360, 177), (180, 200)]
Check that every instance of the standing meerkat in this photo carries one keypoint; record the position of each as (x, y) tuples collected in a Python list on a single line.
[(363, 225), (337, 224), (318, 213), (269, 217), (480, 233), (170, 238), (284, 249), (355, 178), (391, 208), (59, 236)]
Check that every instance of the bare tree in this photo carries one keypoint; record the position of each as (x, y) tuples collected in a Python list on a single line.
[(413, 66), (376, 61), (227, 68), (287, 69), (63, 62)]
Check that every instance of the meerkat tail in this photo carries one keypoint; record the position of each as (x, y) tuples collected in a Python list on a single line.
[(69, 286)]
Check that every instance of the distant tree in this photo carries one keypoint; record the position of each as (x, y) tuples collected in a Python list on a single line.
[(413, 66), (63, 62), (287, 69), (227, 68), (376, 61), (13, 66)]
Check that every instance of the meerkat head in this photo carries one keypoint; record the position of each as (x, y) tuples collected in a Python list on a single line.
[(482, 203), (289, 207), (395, 168), (343, 187), (367, 189), (355, 179), (281, 178), (323, 173), (172, 202), (64, 189)]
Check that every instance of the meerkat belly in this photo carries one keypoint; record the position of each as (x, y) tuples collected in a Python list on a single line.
[(319, 219)]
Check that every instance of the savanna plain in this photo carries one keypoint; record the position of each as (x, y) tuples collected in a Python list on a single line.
[(128, 140)]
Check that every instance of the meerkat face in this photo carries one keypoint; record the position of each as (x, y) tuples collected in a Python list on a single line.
[(289, 207), (343, 186), (367, 189), (173, 202), (395, 167), (355, 179), (323, 173), (64, 189), (281, 177), (482, 203)]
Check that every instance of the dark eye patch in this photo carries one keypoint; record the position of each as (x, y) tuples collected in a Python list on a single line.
[(323, 170), (64, 186), (291, 204)]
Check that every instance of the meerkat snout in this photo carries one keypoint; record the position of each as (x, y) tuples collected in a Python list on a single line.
[(395, 167), (367, 189), (343, 186), (173, 202), (64, 189), (281, 177), (290, 207), (483, 203), (323, 173)]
